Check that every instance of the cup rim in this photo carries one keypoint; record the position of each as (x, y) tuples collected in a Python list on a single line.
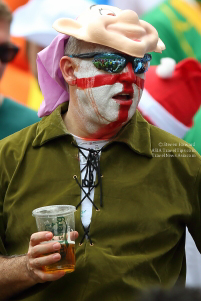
[(65, 210)]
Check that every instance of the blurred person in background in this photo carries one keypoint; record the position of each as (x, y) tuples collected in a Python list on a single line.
[(33, 21), (18, 71), (13, 116)]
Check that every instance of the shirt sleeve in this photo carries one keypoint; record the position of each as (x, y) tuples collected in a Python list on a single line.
[(2, 193), (2, 248)]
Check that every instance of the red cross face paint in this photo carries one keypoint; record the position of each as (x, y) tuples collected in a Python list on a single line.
[(105, 100)]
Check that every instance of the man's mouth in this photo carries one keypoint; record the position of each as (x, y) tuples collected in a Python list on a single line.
[(124, 98)]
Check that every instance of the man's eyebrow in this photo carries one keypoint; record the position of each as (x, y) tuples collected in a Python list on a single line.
[(93, 6)]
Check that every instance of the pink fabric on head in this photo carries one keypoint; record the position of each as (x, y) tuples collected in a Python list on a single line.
[(50, 77)]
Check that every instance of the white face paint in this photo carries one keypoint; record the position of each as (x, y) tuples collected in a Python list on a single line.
[(96, 102)]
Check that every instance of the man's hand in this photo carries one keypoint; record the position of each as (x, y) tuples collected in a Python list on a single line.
[(20, 272), (40, 254)]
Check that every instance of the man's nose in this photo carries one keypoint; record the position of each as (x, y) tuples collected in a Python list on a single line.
[(128, 75)]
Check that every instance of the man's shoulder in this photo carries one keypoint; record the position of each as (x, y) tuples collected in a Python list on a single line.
[(166, 145), (14, 148), (159, 136)]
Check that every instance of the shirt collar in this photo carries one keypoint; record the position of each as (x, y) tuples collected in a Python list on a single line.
[(51, 127), (136, 133)]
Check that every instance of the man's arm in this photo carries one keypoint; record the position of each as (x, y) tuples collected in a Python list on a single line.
[(14, 276), (18, 273)]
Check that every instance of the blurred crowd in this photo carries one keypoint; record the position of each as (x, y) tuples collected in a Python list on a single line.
[(172, 96)]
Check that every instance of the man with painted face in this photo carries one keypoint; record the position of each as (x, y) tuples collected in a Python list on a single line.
[(93, 150)]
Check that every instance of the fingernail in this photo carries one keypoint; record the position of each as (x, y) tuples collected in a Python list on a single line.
[(56, 246), (48, 236), (56, 256)]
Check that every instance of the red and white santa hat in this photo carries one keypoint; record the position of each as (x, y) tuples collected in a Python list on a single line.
[(172, 95)]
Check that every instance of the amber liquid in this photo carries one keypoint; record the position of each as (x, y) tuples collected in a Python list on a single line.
[(67, 261)]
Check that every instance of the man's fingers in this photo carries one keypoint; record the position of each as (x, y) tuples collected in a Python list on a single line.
[(44, 248), (43, 251), (39, 262), (38, 237), (49, 277), (74, 235)]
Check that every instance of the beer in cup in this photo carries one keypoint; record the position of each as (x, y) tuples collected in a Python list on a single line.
[(59, 219)]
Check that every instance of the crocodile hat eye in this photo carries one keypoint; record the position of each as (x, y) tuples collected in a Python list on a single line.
[(106, 12)]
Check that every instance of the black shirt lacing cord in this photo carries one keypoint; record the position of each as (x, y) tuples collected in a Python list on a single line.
[(93, 163)]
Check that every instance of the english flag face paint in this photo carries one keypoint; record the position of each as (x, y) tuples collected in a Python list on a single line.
[(107, 101)]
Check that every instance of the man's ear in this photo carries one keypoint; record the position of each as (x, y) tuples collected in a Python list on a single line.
[(67, 68)]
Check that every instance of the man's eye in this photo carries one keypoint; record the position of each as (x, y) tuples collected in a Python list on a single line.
[(106, 12)]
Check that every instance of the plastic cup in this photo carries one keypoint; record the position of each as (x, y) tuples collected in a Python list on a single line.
[(59, 219)]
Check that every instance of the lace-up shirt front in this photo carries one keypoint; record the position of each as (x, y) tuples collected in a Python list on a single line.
[(84, 147)]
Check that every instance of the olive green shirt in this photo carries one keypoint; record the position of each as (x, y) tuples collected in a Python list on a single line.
[(151, 190)]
